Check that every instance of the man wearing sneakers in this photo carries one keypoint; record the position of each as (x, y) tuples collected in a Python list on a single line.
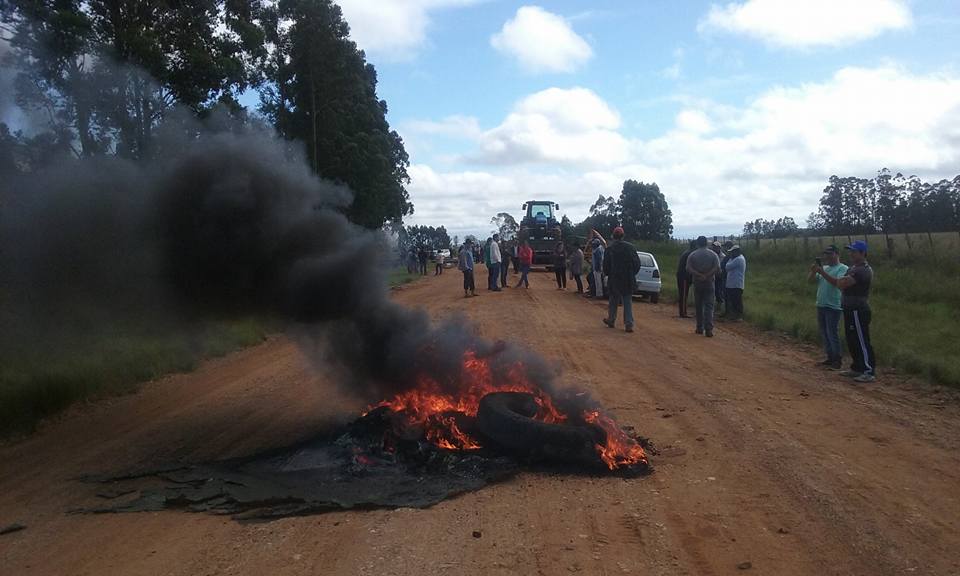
[(855, 299), (829, 310)]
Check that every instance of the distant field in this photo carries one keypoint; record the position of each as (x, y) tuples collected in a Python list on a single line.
[(916, 295)]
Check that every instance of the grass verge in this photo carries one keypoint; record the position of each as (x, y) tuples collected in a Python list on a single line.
[(400, 276), (35, 384), (38, 382)]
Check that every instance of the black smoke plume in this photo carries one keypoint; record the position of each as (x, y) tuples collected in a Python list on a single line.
[(220, 223)]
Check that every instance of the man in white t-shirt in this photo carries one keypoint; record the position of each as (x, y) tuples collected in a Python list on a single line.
[(495, 263)]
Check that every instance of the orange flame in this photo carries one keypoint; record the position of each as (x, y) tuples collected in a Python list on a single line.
[(620, 449), (431, 407)]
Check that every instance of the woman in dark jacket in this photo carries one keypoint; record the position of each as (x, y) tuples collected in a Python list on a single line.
[(576, 268)]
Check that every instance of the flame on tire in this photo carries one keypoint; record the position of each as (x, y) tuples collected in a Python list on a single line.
[(434, 408)]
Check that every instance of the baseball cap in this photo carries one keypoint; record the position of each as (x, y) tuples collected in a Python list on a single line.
[(831, 249), (857, 245)]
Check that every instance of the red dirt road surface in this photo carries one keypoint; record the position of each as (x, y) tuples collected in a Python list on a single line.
[(767, 465)]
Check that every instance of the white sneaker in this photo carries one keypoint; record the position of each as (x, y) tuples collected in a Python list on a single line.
[(865, 378)]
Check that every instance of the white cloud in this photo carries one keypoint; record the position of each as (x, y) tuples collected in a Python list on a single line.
[(573, 126), (808, 23), (392, 29), (718, 165), (695, 121), (542, 41), (464, 201)]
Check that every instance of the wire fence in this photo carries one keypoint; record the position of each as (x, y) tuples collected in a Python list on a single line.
[(890, 246)]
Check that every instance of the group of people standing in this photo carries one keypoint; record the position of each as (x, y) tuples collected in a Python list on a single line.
[(611, 270), (716, 273), (496, 256), (417, 257), (585, 259)]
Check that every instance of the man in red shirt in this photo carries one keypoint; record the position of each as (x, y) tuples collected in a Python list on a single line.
[(525, 255)]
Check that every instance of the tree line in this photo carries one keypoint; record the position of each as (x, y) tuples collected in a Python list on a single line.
[(888, 203), (641, 209), (104, 77)]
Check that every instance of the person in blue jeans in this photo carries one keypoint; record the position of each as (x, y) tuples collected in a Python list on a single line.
[(525, 255), (857, 315), (620, 265), (494, 258), (829, 309)]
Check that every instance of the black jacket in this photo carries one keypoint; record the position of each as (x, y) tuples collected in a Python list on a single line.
[(621, 263), (682, 266)]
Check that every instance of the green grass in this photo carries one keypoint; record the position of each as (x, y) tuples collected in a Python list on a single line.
[(915, 297), (105, 359), (40, 382), (400, 276)]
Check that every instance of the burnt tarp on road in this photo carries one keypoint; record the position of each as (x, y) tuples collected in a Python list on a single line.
[(353, 470)]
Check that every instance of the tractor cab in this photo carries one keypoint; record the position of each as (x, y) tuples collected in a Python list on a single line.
[(540, 216)]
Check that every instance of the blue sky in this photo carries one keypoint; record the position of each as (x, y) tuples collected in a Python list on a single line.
[(737, 110)]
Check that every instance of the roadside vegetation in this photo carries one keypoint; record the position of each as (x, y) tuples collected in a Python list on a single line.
[(400, 276), (915, 297), (107, 361), (113, 359)]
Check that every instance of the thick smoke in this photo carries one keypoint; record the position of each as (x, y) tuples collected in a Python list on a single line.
[(224, 223)]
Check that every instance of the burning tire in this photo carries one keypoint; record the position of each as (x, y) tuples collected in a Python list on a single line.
[(507, 418)]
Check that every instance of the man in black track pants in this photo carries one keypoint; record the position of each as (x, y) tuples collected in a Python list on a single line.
[(855, 299)]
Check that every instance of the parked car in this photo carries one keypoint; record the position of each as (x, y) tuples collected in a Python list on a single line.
[(648, 278)]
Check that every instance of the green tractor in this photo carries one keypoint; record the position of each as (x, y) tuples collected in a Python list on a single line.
[(541, 228)]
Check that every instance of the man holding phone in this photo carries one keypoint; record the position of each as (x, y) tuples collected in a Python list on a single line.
[(829, 309), (855, 299)]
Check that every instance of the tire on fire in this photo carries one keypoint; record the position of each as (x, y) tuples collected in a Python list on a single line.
[(507, 419)]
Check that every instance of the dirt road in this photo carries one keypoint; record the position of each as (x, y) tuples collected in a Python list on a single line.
[(764, 460)]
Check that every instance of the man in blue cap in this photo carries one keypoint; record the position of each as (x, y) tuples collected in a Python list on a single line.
[(855, 299)]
